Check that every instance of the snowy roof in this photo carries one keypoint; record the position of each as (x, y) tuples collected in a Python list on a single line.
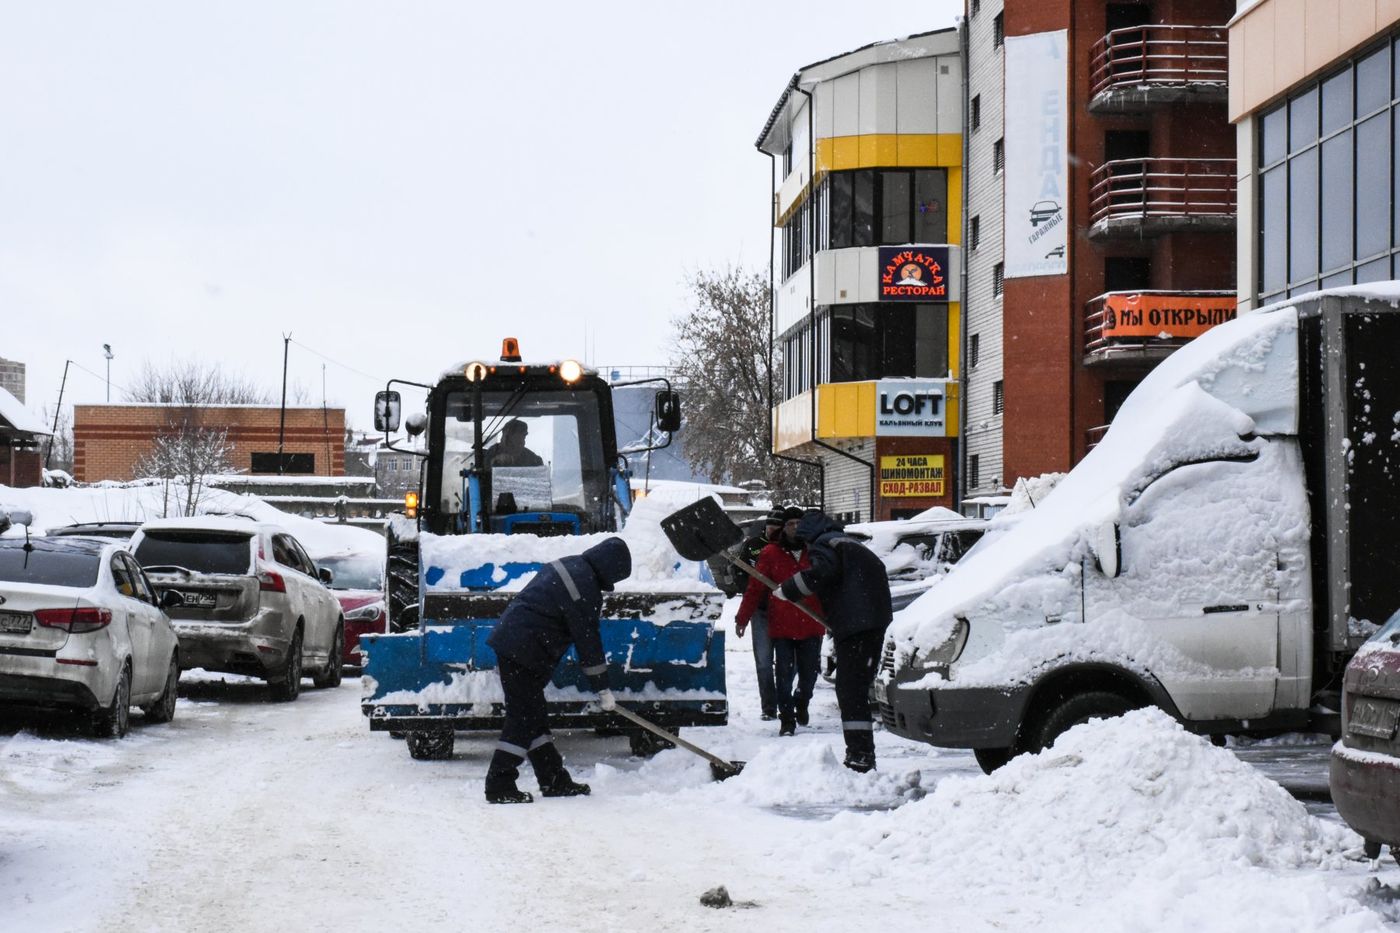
[(12, 410), (204, 523)]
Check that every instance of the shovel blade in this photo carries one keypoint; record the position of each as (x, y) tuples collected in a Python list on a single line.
[(701, 530), (724, 772)]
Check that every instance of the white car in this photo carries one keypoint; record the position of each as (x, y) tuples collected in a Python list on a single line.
[(82, 630), (252, 602)]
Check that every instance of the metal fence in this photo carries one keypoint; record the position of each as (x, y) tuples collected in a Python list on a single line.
[(1162, 188), (1160, 56)]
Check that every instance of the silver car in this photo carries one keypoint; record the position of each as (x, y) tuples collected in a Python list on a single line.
[(82, 631), (252, 602)]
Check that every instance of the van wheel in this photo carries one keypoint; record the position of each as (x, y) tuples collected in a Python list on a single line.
[(644, 744), (112, 722), (989, 759), (329, 676), (431, 746), (287, 686), (1074, 711)]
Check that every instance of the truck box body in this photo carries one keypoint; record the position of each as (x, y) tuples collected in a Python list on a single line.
[(1220, 554)]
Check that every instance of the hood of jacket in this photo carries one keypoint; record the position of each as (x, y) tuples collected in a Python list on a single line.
[(611, 561), (814, 524)]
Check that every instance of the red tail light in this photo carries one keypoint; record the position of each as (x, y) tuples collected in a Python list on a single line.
[(76, 621), (270, 581)]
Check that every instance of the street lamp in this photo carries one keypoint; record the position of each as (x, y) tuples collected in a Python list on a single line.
[(107, 352)]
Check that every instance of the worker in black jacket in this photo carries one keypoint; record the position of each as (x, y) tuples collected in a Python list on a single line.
[(558, 608), (854, 591)]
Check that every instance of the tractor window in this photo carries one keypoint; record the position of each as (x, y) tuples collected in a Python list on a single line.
[(543, 451)]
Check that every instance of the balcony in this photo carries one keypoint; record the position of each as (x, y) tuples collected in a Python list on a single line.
[(1149, 197), (1144, 327), (1142, 67)]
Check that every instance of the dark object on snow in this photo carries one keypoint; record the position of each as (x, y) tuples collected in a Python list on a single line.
[(717, 898), (719, 768)]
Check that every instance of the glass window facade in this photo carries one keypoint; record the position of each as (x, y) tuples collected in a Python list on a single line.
[(859, 342), (1329, 180)]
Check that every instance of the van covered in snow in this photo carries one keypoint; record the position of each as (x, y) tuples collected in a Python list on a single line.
[(1220, 554)]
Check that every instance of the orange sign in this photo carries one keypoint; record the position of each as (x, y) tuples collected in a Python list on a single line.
[(1149, 315)]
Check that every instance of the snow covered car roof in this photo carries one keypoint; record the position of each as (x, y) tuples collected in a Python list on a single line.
[(209, 523), (883, 537)]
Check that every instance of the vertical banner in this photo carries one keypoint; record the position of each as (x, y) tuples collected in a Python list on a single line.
[(1036, 179)]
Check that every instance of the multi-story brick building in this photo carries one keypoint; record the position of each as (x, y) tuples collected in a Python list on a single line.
[(12, 377), (1102, 177), (109, 440)]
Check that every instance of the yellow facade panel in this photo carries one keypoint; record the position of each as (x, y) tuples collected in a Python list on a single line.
[(949, 149), (951, 407), (918, 150), (954, 344), (845, 153), (846, 409), (954, 202)]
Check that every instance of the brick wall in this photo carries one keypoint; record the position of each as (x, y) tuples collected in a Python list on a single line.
[(108, 440), (20, 466)]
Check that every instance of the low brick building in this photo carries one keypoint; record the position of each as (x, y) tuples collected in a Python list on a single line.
[(109, 440), (22, 435)]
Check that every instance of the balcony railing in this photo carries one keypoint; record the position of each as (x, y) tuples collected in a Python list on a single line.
[(1146, 197), (1145, 325), (1141, 65), (1093, 436)]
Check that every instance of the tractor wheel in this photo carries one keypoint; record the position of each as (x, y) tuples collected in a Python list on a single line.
[(431, 746)]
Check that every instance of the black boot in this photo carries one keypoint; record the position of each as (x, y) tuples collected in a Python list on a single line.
[(787, 726), (802, 717), (554, 779), (860, 750), (500, 779)]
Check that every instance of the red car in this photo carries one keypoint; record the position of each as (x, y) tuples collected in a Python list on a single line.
[(1365, 774), (357, 580)]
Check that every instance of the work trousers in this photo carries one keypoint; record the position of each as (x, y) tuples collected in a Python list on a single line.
[(763, 662), (799, 659), (857, 660), (527, 715)]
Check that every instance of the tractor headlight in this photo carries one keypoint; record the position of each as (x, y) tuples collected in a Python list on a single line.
[(571, 370), (475, 372)]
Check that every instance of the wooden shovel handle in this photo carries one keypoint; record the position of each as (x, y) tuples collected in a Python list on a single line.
[(752, 571)]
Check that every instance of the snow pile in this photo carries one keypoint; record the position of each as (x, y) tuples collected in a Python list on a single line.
[(1129, 823), (655, 564), (143, 501)]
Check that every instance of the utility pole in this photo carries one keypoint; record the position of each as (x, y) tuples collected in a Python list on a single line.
[(282, 423), (57, 411), (107, 352)]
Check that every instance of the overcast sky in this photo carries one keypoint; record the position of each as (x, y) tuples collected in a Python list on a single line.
[(399, 185)]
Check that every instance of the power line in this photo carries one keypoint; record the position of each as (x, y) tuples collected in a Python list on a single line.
[(99, 376), (378, 380)]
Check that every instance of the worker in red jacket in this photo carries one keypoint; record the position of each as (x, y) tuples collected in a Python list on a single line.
[(796, 636)]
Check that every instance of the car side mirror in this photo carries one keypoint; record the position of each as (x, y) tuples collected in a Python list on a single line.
[(1107, 546), (387, 408), (324, 575), (169, 599), (415, 423), (668, 410)]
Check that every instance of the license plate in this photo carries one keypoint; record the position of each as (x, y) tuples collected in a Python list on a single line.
[(15, 623), (881, 691), (199, 600), (1375, 718)]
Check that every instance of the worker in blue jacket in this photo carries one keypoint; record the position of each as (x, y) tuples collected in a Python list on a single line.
[(854, 591), (558, 608)]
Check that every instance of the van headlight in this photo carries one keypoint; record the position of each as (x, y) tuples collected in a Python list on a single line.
[(941, 657)]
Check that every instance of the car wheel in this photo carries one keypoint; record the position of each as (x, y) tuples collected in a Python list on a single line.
[(431, 746), (112, 722), (163, 709), (329, 676), (287, 686), (989, 759), (1074, 711), (644, 744)]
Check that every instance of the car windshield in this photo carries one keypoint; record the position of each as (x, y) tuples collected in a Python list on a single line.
[(196, 551), (48, 565), (355, 573), (1391, 629)]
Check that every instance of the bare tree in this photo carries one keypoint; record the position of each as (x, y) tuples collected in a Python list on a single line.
[(191, 382), (721, 352), (184, 458), (60, 457)]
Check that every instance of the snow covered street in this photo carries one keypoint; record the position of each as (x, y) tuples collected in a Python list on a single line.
[(248, 815)]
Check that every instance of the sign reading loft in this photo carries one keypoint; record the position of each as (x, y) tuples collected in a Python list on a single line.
[(866, 149)]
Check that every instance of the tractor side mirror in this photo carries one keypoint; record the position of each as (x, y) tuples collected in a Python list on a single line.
[(415, 423), (387, 408), (668, 410)]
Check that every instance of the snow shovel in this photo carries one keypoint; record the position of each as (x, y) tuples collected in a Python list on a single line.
[(701, 530), (719, 768)]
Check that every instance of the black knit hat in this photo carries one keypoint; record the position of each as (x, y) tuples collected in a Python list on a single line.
[(791, 514), (775, 517)]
